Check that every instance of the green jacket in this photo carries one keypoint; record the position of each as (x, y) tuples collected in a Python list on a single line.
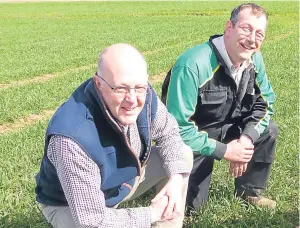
[(199, 92)]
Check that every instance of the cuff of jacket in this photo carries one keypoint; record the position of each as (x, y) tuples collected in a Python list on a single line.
[(178, 167), (251, 132), (219, 151)]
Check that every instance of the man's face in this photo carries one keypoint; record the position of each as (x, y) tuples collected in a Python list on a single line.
[(246, 36), (125, 107)]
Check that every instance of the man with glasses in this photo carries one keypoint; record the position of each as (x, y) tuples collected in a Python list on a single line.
[(99, 153), (222, 100)]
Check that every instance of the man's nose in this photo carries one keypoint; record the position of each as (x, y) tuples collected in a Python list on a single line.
[(252, 36), (131, 95)]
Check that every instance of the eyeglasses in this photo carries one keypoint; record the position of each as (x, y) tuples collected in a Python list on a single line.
[(246, 30), (140, 91)]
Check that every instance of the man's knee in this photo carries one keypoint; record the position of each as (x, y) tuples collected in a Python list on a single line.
[(188, 156), (266, 144), (269, 136), (273, 129)]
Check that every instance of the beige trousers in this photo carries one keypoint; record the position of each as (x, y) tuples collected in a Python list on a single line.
[(152, 174)]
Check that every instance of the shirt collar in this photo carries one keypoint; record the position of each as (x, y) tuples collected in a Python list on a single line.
[(220, 45)]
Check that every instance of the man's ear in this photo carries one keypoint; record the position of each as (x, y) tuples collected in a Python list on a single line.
[(228, 26), (97, 81)]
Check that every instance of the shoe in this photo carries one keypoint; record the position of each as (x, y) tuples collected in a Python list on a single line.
[(261, 201)]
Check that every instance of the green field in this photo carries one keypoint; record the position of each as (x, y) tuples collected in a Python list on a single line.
[(48, 49)]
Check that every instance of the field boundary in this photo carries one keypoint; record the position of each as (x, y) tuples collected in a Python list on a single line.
[(25, 121), (43, 78), (49, 76), (31, 119)]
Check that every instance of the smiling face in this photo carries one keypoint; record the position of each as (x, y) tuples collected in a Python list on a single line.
[(122, 66), (245, 37)]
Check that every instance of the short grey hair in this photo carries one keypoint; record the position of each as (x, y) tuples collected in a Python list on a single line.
[(100, 62), (99, 66), (256, 10)]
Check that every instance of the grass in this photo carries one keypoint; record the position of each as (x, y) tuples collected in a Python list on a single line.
[(59, 38)]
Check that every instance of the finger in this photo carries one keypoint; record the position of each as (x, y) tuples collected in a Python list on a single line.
[(240, 170), (248, 152), (233, 172), (231, 167), (175, 211), (248, 157), (245, 167), (236, 170), (248, 146), (161, 193), (169, 209)]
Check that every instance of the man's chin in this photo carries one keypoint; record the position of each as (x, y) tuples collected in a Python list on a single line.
[(245, 56), (127, 120)]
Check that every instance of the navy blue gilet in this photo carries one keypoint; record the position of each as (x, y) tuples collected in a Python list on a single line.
[(84, 119)]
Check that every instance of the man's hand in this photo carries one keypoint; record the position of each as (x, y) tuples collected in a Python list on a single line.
[(238, 152), (173, 190), (236, 169), (158, 208)]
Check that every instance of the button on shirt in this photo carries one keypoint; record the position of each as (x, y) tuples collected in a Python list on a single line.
[(80, 177)]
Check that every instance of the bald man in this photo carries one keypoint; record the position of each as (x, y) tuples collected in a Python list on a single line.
[(98, 151)]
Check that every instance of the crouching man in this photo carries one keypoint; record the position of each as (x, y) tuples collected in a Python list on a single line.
[(99, 153)]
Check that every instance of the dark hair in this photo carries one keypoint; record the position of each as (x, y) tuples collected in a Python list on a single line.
[(256, 10)]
